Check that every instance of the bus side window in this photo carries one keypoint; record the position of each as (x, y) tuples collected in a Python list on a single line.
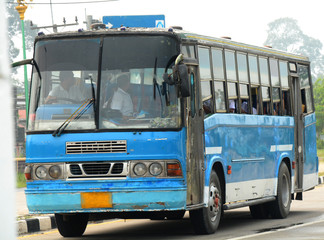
[(266, 101), (232, 95), (255, 100), (286, 103)]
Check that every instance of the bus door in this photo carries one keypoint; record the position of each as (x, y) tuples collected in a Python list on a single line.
[(299, 129), (195, 142)]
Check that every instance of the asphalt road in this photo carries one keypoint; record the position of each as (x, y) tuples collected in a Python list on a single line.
[(306, 221)]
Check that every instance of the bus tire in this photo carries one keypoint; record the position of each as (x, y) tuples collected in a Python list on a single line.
[(71, 225), (206, 220), (260, 211), (281, 206)]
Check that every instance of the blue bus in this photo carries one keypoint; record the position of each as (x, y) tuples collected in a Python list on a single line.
[(151, 123)]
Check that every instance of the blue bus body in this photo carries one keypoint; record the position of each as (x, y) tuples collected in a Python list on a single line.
[(128, 194), (185, 147)]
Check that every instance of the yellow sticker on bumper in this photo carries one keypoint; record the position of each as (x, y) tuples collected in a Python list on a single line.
[(96, 200)]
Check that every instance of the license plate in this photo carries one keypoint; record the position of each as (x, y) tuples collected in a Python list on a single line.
[(96, 200)]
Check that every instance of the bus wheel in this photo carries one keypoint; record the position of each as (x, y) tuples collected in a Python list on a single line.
[(281, 206), (206, 220), (71, 225), (259, 211)]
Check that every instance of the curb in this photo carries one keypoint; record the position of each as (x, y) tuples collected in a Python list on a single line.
[(36, 224)]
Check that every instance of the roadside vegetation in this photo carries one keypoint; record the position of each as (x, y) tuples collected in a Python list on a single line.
[(21, 181)]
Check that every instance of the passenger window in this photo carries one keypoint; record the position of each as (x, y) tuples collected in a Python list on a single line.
[(205, 89), (264, 72), (286, 111), (204, 63), (284, 74), (218, 67), (244, 93), (232, 96), (276, 101), (242, 67), (219, 96), (307, 103), (274, 73), (230, 65), (188, 51), (253, 65), (255, 100), (266, 101)]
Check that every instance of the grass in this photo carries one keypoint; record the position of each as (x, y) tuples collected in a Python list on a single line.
[(21, 181)]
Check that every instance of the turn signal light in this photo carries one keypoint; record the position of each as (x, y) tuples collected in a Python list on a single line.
[(27, 172), (174, 170), (229, 170)]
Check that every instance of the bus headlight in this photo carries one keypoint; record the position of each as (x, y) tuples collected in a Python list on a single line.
[(156, 169), (55, 171), (41, 172), (140, 169)]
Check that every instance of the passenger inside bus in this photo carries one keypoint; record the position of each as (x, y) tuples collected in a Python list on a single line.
[(67, 91), (121, 99)]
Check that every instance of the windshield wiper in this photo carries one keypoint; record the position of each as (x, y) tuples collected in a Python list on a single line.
[(76, 115), (156, 85)]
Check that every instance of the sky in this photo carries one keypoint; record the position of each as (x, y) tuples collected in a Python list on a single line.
[(242, 20)]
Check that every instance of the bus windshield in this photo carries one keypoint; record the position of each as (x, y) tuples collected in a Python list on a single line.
[(123, 77)]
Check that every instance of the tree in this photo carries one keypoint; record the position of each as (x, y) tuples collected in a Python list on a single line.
[(319, 107), (14, 30), (285, 34)]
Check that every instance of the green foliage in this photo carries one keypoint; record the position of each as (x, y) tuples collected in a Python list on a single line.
[(319, 107), (285, 34), (21, 180), (14, 31)]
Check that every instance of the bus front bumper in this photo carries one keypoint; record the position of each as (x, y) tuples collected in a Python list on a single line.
[(64, 202)]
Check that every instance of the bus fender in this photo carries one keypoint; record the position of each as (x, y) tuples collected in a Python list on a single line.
[(209, 168), (286, 157)]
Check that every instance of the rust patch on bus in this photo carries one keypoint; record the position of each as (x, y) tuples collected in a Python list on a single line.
[(161, 203), (139, 206)]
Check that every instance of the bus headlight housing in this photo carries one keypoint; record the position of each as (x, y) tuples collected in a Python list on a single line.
[(140, 169), (41, 172), (156, 168), (55, 171), (44, 171)]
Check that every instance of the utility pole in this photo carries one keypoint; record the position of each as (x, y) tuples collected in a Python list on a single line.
[(21, 9), (55, 26)]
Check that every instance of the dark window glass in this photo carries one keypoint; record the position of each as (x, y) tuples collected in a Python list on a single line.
[(286, 111), (204, 63), (218, 66)]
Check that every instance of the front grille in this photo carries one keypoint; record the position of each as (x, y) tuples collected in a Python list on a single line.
[(75, 169), (94, 169), (97, 169), (114, 146)]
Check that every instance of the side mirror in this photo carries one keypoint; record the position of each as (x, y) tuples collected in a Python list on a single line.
[(183, 77)]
